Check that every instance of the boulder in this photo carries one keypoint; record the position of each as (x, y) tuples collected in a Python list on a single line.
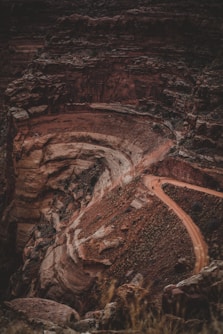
[(44, 310)]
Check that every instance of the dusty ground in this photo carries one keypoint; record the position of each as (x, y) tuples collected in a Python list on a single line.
[(148, 233)]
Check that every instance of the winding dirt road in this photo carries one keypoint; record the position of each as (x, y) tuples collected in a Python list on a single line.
[(154, 184)]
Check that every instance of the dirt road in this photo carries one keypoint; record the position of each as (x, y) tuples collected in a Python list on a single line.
[(154, 184)]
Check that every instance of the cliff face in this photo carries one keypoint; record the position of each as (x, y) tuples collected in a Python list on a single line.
[(166, 64), (93, 96)]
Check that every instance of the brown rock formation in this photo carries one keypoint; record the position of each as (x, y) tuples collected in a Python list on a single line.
[(197, 296), (92, 97)]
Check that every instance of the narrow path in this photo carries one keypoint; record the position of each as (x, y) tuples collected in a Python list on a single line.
[(154, 184)]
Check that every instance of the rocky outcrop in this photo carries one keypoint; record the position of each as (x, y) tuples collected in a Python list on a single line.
[(188, 172), (65, 176), (198, 297)]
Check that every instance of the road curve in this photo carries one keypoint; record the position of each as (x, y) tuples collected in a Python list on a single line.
[(154, 184)]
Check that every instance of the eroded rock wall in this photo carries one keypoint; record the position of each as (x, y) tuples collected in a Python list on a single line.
[(165, 65)]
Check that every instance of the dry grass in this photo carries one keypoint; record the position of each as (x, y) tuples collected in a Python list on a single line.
[(140, 317)]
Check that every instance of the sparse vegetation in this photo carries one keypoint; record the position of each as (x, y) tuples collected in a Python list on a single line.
[(206, 211)]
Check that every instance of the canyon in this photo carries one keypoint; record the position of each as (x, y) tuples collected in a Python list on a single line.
[(111, 142)]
